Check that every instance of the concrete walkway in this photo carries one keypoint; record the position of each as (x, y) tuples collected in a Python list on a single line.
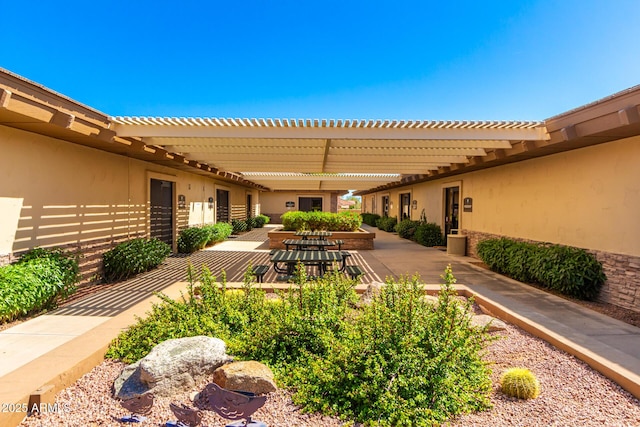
[(48, 353)]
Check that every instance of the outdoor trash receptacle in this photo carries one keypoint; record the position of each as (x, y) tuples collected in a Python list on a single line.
[(456, 244)]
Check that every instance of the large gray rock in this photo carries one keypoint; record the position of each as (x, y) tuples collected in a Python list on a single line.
[(482, 320), (172, 366), (248, 376)]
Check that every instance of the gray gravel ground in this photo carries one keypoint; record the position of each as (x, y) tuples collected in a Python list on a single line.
[(572, 394)]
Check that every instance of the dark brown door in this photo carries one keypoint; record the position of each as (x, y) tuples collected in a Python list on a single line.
[(222, 209), (405, 206), (161, 201), (451, 210), (249, 206)]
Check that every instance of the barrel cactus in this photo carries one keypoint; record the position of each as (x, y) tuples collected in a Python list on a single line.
[(520, 383)]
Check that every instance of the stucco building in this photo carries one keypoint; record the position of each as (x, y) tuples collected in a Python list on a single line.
[(78, 178)]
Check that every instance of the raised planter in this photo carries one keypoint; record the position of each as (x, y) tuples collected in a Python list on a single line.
[(353, 240)]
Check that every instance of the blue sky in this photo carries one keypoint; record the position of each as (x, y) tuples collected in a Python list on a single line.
[(432, 60)]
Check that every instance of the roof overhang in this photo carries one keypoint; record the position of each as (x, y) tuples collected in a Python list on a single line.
[(327, 154), (316, 155)]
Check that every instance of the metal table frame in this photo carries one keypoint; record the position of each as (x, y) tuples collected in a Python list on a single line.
[(318, 258)]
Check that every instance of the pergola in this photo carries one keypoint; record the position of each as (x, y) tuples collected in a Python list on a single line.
[(332, 155)]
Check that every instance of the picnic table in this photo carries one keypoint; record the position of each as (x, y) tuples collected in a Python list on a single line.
[(301, 244), (321, 259), (322, 235)]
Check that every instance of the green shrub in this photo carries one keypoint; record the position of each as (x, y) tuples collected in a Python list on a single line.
[(134, 257), (218, 232), (429, 234), (407, 228), (261, 220), (518, 257), (403, 362), (37, 281), (493, 252), (67, 262), (192, 239), (387, 223), (570, 271), (341, 221), (520, 383), (370, 219), (239, 226)]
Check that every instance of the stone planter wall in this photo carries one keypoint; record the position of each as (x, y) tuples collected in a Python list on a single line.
[(622, 287), (354, 240)]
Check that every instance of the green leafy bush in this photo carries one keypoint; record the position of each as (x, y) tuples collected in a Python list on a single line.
[(570, 271), (218, 232), (387, 223), (133, 257), (493, 252), (261, 220), (239, 226), (341, 221), (370, 219), (192, 239), (403, 362), (429, 234), (37, 281), (67, 262), (398, 361), (407, 228)]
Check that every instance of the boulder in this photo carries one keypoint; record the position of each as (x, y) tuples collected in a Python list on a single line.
[(248, 376), (372, 290), (172, 366), (481, 320)]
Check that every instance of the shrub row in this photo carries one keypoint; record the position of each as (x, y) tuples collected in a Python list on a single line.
[(134, 257), (570, 271), (425, 233), (341, 221), (370, 219), (387, 223), (399, 361), (242, 225), (37, 281), (193, 239)]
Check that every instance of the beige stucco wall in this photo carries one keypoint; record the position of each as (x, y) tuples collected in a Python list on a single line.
[(73, 195), (588, 198)]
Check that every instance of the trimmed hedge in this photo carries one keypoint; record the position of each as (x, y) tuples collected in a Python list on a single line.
[(370, 219), (329, 221), (407, 228), (134, 257), (218, 232), (387, 223), (192, 239), (429, 234), (239, 226), (37, 281), (568, 270)]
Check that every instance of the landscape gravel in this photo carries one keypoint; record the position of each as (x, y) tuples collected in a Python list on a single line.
[(572, 394)]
